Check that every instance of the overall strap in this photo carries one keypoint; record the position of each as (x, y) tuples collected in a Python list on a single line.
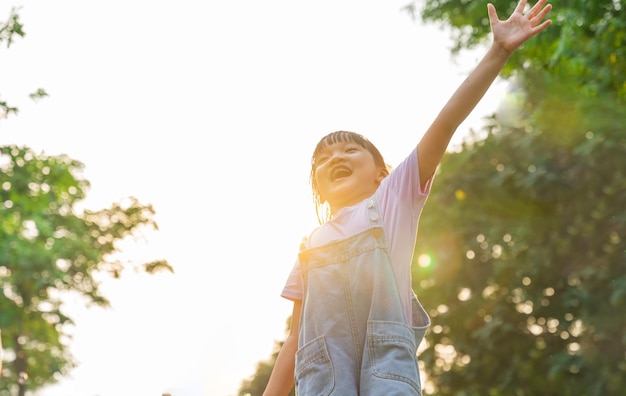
[(373, 212)]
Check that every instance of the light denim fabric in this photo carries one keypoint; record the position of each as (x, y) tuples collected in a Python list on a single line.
[(354, 338)]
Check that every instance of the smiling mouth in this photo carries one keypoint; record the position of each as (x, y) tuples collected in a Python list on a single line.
[(340, 173)]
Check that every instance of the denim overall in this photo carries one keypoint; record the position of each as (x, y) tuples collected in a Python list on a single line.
[(354, 339)]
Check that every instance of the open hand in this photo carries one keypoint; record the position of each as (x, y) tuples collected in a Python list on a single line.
[(513, 32)]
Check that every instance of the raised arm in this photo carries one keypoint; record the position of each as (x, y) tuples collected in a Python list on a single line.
[(508, 35)]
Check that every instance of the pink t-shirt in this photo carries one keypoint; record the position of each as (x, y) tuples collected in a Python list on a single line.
[(401, 201)]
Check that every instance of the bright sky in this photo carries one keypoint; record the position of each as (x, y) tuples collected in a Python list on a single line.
[(209, 111)]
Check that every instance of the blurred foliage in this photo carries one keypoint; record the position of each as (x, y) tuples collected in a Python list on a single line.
[(9, 31), (48, 251), (11, 28), (521, 261), (255, 385), (523, 265), (584, 47), (521, 254)]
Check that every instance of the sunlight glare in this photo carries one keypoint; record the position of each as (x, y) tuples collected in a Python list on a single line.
[(424, 260)]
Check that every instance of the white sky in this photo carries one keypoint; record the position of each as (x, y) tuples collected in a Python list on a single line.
[(209, 111)]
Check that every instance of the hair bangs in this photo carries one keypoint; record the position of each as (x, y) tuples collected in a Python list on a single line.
[(321, 208), (340, 137)]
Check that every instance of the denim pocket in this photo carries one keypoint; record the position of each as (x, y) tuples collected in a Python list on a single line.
[(393, 351), (314, 371)]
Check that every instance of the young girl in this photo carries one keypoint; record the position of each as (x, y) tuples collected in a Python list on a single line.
[(356, 323)]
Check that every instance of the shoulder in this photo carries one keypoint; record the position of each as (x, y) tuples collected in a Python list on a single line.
[(403, 183)]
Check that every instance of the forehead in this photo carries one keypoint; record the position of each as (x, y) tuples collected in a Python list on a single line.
[(327, 146), (337, 138)]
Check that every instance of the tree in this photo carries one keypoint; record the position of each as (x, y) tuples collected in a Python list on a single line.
[(523, 263), (9, 30), (47, 250), (256, 384), (522, 267), (521, 259), (584, 48)]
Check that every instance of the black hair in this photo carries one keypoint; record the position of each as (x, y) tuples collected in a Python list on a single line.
[(321, 208)]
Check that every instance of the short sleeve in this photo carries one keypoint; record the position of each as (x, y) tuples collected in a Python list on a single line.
[(404, 180), (293, 289)]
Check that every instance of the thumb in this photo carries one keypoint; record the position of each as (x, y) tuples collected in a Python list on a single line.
[(491, 10)]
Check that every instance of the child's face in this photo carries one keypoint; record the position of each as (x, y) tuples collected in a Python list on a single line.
[(346, 174)]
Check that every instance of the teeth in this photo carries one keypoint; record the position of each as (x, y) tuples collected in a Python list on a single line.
[(339, 173)]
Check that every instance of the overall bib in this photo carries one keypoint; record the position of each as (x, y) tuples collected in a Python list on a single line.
[(354, 339)]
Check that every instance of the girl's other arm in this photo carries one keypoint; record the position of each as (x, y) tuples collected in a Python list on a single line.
[(282, 378), (508, 35)]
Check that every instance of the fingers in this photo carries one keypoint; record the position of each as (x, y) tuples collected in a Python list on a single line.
[(544, 25), (491, 10), (541, 14), (537, 9), (520, 6), (537, 14)]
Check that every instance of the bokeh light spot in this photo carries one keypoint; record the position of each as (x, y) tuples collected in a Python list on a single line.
[(424, 260)]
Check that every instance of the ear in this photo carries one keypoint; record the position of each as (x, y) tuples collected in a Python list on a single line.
[(382, 173)]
